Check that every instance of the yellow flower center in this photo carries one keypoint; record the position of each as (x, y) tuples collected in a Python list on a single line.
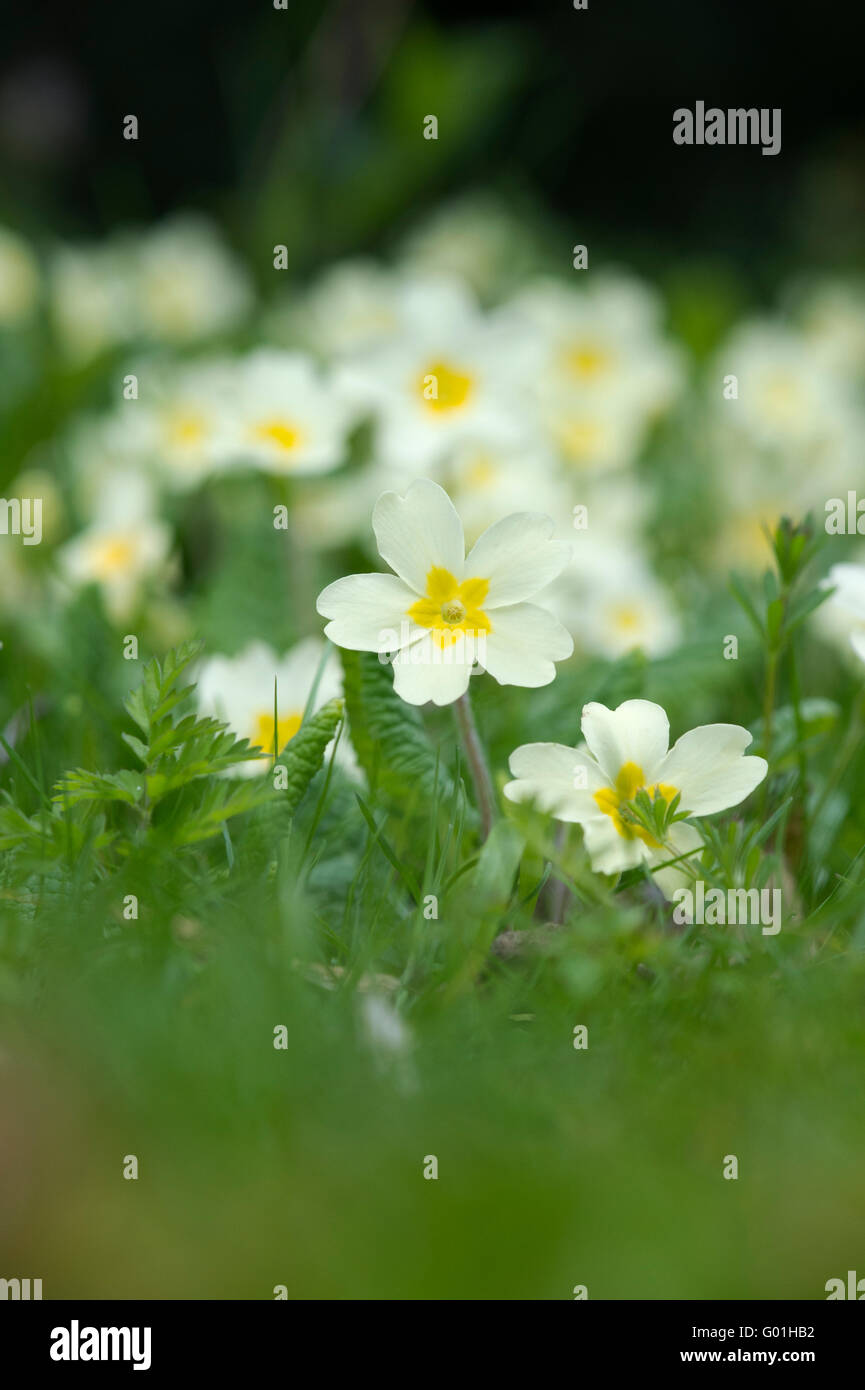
[(579, 439), (283, 433), (782, 396), (112, 556), (587, 360), (625, 617), (185, 429), (610, 800), (451, 608), (445, 388), (262, 735)]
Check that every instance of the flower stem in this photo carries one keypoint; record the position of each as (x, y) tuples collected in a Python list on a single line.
[(486, 797)]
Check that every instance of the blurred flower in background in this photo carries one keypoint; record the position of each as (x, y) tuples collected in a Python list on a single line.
[(246, 689), (176, 283)]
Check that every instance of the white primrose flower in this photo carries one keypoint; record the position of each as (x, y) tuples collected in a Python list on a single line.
[(607, 338), (452, 375), (174, 283), (353, 307), (611, 602), (488, 477), (123, 547), (442, 610), (626, 750), (180, 432), (240, 690), (92, 298), (475, 238), (787, 397), (289, 419), (188, 283)]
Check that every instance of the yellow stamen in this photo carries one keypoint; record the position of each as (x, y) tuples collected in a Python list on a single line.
[(587, 360), (625, 617), (113, 555), (185, 429), (610, 800), (579, 439), (282, 433), (261, 736), (451, 608), (445, 388)]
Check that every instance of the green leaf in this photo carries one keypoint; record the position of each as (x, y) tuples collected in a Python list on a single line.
[(81, 785), (387, 734), (480, 902), (303, 756), (221, 800), (139, 749), (742, 597)]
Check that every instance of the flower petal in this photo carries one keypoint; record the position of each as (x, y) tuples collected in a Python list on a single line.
[(523, 644), (857, 642), (638, 731), (419, 532), (518, 557), (425, 671), (610, 852), (708, 767), (558, 779), (369, 613), (681, 838)]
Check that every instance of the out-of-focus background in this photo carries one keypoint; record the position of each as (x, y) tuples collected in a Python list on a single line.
[(232, 314)]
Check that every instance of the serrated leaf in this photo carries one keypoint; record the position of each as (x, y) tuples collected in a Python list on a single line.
[(387, 734), (303, 755), (81, 785), (139, 749)]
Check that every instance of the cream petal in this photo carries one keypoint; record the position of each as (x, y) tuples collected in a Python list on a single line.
[(423, 672), (518, 557), (368, 613), (555, 760), (681, 838), (523, 644), (418, 531), (637, 731), (709, 769), (558, 779), (610, 852)]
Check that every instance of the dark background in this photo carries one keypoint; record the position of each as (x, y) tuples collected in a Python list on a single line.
[(239, 104)]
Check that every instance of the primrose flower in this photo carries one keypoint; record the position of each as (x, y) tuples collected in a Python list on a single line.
[(441, 610), (625, 751), (124, 547), (452, 375), (290, 420), (240, 690), (188, 284)]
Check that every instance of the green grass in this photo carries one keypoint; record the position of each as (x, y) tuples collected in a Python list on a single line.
[(303, 1165)]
